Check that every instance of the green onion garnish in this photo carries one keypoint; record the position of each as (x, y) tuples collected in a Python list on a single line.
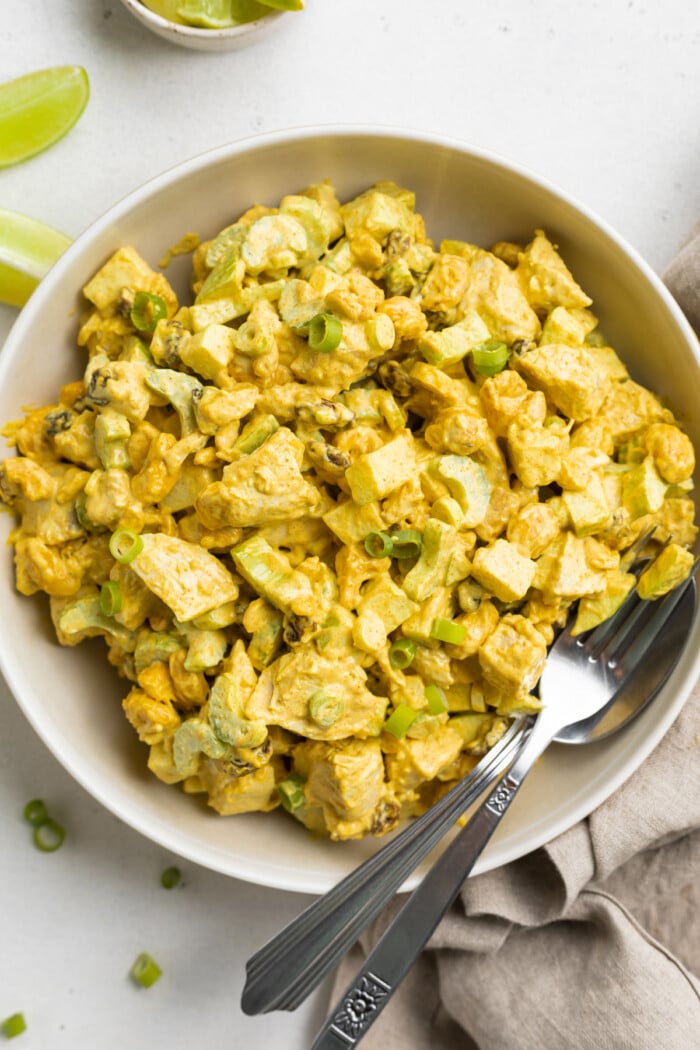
[(124, 545), (35, 812), (401, 653), (325, 709), (79, 507), (170, 878), (291, 792), (407, 543), (13, 1025), (110, 597), (379, 544), (437, 701), (48, 836), (400, 720), (147, 311), (145, 970), (325, 333), (490, 357), (448, 631)]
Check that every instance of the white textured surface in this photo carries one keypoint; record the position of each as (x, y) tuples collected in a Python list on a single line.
[(603, 99)]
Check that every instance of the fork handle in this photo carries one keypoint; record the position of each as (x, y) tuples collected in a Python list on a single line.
[(284, 971), (394, 954)]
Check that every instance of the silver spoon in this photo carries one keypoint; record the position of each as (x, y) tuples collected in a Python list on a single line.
[(632, 653)]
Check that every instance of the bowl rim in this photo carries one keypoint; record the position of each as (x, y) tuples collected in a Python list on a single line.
[(260, 872), (158, 22)]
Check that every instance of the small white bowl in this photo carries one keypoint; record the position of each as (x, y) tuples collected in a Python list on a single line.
[(204, 39), (72, 697)]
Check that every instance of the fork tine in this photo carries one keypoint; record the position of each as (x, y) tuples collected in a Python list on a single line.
[(627, 615), (601, 636), (636, 548), (626, 656)]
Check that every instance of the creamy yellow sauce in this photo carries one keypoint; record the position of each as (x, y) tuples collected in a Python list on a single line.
[(329, 514)]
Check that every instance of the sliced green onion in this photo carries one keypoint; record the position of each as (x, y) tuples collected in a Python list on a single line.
[(35, 812), (110, 597), (13, 1025), (170, 878), (448, 631), (490, 357), (145, 970), (400, 720), (437, 701), (48, 836), (124, 545), (255, 434), (80, 513), (325, 333), (147, 311), (379, 544), (401, 653), (325, 709), (291, 792), (407, 543)]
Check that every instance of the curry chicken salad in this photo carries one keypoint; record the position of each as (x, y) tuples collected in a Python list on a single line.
[(329, 516)]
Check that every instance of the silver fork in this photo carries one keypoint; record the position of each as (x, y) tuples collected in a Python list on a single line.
[(588, 671), (286, 969)]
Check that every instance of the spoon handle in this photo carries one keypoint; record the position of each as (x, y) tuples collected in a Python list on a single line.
[(395, 953), (285, 970)]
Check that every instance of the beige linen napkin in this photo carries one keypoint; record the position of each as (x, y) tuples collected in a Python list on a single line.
[(591, 942)]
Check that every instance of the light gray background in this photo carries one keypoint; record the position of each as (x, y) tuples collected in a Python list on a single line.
[(602, 98)]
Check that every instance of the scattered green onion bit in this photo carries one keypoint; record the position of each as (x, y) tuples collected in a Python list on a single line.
[(407, 543), (48, 836), (379, 544), (437, 701), (124, 545), (325, 333), (400, 721), (401, 653), (110, 597), (325, 709), (291, 792), (36, 813), (490, 357), (170, 878), (444, 630), (13, 1025), (147, 311), (145, 970)]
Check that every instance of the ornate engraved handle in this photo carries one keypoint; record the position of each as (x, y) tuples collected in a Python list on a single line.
[(394, 954), (359, 1005)]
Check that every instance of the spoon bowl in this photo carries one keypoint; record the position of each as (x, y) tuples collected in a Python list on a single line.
[(640, 688)]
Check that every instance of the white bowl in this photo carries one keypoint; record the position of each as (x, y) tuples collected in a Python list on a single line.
[(71, 696), (204, 39)]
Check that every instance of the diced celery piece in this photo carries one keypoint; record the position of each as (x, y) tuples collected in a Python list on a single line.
[(269, 572), (430, 571)]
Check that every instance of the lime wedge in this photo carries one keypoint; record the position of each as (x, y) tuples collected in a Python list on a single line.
[(28, 250), (284, 5), (166, 9), (206, 14), (215, 14), (38, 109)]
